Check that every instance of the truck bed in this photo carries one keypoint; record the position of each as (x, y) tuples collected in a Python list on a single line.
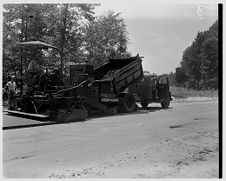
[(118, 74)]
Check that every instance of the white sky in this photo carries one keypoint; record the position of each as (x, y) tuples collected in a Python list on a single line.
[(161, 32)]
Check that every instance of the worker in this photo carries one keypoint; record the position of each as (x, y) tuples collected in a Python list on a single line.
[(34, 72), (11, 90), (33, 67)]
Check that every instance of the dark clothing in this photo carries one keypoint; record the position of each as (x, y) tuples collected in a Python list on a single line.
[(11, 98), (33, 67)]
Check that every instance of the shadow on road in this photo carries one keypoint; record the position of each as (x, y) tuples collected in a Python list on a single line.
[(154, 109), (140, 110), (28, 126), (44, 122), (11, 121)]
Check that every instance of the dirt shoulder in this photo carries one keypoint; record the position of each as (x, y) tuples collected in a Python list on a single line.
[(194, 99)]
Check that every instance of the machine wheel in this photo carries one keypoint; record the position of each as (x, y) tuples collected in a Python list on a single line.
[(78, 115), (144, 104), (129, 104), (165, 104), (61, 115)]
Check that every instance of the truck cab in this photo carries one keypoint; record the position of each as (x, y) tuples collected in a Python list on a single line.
[(152, 88)]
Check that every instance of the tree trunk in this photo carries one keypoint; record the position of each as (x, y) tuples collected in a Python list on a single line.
[(63, 32)]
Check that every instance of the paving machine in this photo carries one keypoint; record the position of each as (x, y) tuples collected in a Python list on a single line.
[(90, 90)]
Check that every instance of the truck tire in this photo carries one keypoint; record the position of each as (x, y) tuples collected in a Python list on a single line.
[(165, 104), (144, 104), (129, 103)]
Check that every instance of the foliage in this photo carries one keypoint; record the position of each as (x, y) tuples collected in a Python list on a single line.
[(180, 76), (73, 28), (199, 65), (106, 37), (172, 78)]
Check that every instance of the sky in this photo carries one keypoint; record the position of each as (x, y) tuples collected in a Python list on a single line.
[(161, 32)]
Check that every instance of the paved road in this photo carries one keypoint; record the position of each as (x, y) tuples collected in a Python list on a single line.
[(63, 149)]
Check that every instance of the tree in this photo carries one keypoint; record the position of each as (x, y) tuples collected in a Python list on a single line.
[(12, 33), (57, 24), (172, 78), (209, 67), (105, 37), (191, 60), (180, 76), (200, 60)]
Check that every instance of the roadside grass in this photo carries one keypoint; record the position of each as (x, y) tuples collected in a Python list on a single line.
[(179, 92)]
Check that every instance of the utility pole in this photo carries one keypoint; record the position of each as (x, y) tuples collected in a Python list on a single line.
[(24, 18), (63, 31)]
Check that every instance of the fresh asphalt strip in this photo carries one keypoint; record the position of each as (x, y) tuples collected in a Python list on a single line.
[(27, 126), (11, 121)]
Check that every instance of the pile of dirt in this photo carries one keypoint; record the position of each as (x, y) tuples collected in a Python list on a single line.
[(109, 74)]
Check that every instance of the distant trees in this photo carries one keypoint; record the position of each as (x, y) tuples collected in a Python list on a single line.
[(172, 78), (180, 76), (199, 65)]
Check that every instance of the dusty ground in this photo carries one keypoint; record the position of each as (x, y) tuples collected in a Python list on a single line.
[(181, 141)]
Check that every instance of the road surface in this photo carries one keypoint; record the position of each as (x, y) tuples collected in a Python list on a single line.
[(181, 141)]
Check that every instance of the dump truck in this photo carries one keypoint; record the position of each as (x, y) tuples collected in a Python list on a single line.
[(101, 89), (152, 88), (108, 82)]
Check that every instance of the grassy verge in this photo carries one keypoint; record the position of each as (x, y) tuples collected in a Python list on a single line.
[(185, 93)]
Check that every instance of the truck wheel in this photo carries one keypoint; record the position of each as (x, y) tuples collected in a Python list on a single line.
[(165, 104), (129, 103), (144, 104)]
